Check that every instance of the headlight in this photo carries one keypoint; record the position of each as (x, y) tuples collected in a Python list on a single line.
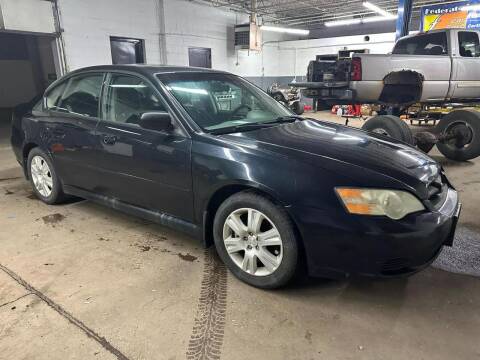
[(392, 203)]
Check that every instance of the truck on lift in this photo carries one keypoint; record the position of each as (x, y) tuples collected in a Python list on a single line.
[(433, 68)]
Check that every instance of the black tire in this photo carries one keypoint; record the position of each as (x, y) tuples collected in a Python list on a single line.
[(278, 216), (279, 97), (470, 120), (298, 107), (391, 126), (57, 195)]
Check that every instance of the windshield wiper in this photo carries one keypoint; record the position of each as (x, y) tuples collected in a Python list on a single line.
[(238, 128), (254, 126), (284, 119)]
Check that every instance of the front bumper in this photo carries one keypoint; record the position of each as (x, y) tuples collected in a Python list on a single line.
[(338, 244)]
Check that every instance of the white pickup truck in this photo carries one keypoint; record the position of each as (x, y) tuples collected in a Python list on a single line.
[(434, 67)]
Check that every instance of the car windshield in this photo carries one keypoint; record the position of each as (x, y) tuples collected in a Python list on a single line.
[(217, 101)]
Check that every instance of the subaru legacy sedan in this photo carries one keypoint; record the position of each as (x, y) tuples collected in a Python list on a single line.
[(210, 154)]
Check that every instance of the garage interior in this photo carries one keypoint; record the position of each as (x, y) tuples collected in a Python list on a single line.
[(82, 281)]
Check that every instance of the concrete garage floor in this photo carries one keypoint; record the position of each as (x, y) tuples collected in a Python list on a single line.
[(80, 281)]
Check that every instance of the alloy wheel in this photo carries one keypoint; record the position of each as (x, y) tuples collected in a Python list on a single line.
[(253, 242), (41, 176)]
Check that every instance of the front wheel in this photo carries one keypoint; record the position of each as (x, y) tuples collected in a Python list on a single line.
[(45, 183), (255, 238)]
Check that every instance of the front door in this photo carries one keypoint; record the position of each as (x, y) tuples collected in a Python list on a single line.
[(146, 168)]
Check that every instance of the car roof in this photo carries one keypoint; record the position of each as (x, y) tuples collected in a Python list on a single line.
[(146, 69), (436, 31)]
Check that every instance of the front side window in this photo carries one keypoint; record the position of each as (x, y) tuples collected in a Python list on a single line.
[(216, 101), (425, 44), (469, 44), (54, 96), (128, 98), (82, 95)]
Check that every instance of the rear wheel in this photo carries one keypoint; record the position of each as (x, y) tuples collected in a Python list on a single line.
[(45, 183), (460, 135), (390, 125), (255, 238)]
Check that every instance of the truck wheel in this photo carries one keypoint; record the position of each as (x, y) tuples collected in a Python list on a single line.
[(298, 107), (459, 133), (391, 126)]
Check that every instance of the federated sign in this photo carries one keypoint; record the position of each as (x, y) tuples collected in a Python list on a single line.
[(458, 15)]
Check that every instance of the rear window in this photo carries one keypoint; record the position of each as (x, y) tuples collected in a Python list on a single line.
[(469, 44), (425, 44)]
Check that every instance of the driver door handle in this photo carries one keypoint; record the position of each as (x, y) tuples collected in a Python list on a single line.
[(109, 139)]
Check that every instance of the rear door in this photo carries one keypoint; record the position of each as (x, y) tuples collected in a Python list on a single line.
[(142, 167), (466, 66), (73, 113)]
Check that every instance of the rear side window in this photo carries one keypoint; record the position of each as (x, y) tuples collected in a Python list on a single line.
[(54, 96), (425, 44), (82, 95), (468, 44), (128, 97)]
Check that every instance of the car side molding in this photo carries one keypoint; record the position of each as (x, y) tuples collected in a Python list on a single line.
[(153, 216)]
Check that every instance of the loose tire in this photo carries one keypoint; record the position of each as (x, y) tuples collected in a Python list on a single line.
[(45, 182), (279, 97), (390, 125), (255, 238), (466, 122), (298, 107)]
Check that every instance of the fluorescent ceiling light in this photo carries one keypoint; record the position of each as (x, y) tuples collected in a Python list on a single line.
[(378, 10), (343, 22), (376, 18), (285, 30), (357, 21)]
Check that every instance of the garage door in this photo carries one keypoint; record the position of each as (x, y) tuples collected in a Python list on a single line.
[(27, 15)]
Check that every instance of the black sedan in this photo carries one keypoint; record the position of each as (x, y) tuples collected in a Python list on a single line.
[(208, 153)]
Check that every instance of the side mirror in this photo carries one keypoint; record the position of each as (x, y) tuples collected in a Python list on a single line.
[(159, 121)]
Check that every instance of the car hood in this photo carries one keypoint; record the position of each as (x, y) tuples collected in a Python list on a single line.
[(329, 141)]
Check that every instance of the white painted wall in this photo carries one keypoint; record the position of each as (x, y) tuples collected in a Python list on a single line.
[(179, 24), (88, 25), (189, 24)]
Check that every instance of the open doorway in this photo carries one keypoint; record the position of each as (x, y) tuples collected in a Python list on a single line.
[(27, 67)]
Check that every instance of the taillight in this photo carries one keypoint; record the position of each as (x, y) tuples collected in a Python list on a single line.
[(356, 69)]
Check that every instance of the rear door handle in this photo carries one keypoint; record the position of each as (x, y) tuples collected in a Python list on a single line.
[(109, 139)]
